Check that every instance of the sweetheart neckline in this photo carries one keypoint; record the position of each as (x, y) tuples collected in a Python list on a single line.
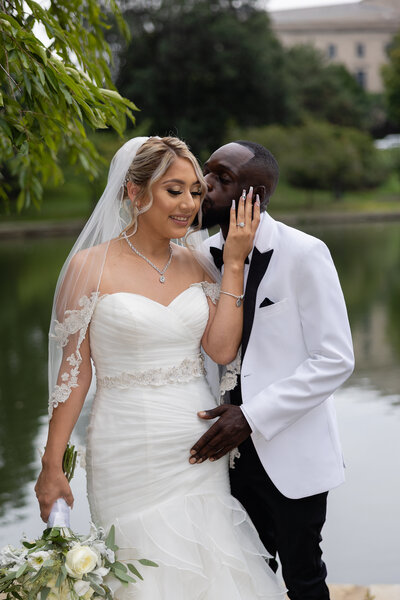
[(196, 284)]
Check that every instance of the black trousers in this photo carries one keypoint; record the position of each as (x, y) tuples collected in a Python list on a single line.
[(289, 528)]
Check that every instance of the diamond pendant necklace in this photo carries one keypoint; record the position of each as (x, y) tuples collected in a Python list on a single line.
[(159, 271)]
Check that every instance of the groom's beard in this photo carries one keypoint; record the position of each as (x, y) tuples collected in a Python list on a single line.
[(213, 216)]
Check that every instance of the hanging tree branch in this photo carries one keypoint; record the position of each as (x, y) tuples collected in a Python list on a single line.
[(50, 95)]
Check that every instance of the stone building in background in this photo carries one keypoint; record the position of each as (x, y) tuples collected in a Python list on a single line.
[(355, 34)]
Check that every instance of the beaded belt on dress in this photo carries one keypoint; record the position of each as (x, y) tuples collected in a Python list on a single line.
[(186, 370)]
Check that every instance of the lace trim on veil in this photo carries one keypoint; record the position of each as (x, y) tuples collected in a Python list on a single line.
[(75, 321)]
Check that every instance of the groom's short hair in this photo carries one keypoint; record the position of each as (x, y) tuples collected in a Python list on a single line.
[(265, 162)]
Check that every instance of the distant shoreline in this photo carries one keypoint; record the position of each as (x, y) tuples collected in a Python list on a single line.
[(48, 229)]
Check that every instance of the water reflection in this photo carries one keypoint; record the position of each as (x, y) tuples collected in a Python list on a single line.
[(368, 260), (28, 273)]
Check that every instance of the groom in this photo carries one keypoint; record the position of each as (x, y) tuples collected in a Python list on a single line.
[(296, 351)]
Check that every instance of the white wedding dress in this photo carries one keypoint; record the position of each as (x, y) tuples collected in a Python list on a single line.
[(150, 385)]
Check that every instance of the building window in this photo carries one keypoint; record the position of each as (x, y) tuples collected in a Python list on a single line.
[(361, 78), (360, 50), (331, 51)]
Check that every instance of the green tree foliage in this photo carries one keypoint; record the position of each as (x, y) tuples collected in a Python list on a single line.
[(324, 91), (321, 156), (391, 78), (48, 95), (193, 67)]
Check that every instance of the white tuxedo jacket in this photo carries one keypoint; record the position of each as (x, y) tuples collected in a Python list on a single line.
[(297, 352)]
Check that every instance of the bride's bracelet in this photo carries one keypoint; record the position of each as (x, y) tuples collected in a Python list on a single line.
[(238, 298)]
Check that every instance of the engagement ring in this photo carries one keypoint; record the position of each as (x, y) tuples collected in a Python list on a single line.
[(241, 224)]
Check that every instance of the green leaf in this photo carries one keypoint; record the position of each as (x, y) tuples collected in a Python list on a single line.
[(110, 539), (97, 588), (147, 563), (21, 570), (8, 577), (40, 51), (119, 566), (27, 82), (134, 570), (60, 579), (123, 577), (44, 593)]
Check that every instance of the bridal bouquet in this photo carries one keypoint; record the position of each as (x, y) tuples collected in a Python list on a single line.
[(62, 565)]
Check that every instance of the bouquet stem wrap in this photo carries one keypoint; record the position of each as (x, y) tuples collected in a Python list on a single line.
[(59, 515)]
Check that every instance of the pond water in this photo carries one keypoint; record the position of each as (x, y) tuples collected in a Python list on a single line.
[(362, 534)]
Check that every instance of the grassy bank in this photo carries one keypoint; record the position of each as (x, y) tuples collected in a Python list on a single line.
[(386, 198)]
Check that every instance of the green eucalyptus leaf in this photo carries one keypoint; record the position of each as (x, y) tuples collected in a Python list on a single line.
[(134, 570), (110, 539), (123, 577), (147, 563), (98, 588), (119, 566), (44, 593), (21, 570)]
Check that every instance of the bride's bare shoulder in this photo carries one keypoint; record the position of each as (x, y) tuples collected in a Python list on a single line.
[(87, 264), (92, 253), (187, 260), (181, 252)]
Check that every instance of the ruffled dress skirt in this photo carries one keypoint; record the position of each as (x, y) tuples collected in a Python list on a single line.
[(179, 515)]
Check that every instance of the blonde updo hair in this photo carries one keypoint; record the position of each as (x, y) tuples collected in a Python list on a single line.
[(151, 162)]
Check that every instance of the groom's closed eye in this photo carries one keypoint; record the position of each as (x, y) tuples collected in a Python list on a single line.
[(266, 302)]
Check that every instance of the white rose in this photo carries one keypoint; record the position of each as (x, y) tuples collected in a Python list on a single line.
[(80, 560)]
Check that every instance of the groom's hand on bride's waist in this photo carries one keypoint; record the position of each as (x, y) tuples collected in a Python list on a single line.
[(230, 430)]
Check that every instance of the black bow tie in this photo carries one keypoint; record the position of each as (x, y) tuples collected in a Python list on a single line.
[(217, 254)]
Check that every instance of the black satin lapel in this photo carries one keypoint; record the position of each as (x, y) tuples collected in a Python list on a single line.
[(217, 255), (258, 267)]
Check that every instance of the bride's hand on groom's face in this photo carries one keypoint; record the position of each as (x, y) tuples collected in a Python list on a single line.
[(242, 229), (230, 430)]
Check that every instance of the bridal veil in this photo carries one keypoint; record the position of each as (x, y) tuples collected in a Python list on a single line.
[(78, 286)]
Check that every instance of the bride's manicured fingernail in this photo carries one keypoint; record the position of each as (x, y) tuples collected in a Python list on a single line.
[(192, 452), (251, 191), (192, 461), (257, 200), (243, 196), (233, 204)]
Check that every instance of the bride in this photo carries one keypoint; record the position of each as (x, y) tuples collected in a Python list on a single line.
[(137, 307)]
